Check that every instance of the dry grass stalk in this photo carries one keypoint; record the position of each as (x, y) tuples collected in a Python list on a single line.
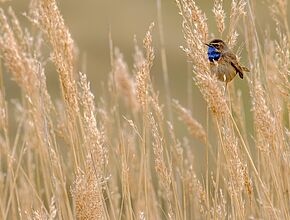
[(48, 17), (143, 76), (94, 138), (160, 166), (3, 112), (194, 127), (44, 214), (278, 10), (142, 85), (239, 178), (282, 62), (238, 109), (221, 211), (142, 67), (138, 57), (27, 71), (197, 190), (124, 82), (155, 104), (219, 15), (87, 194), (237, 9), (264, 121), (18, 58)]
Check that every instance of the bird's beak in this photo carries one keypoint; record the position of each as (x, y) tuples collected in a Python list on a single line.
[(207, 44)]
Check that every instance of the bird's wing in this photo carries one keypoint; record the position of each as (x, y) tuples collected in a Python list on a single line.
[(232, 59)]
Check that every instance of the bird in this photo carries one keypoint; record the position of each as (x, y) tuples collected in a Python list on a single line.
[(223, 62)]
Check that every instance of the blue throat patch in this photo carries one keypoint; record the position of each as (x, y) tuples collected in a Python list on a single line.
[(213, 54)]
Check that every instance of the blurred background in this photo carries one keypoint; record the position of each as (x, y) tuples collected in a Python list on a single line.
[(90, 22)]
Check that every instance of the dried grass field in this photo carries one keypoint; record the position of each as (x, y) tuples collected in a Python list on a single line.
[(132, 148)]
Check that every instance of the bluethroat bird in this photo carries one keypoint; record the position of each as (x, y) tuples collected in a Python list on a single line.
[(223, 62)]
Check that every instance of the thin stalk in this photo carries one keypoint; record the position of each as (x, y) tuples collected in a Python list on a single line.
[(206, 159), (252, 162), (164, 59)]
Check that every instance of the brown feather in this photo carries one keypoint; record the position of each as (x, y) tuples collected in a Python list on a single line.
[(232, 59)]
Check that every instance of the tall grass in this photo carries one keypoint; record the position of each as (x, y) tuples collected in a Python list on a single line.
[(120, 155)]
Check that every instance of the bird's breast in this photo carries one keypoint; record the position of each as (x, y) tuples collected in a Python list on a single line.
[(223, 70)]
